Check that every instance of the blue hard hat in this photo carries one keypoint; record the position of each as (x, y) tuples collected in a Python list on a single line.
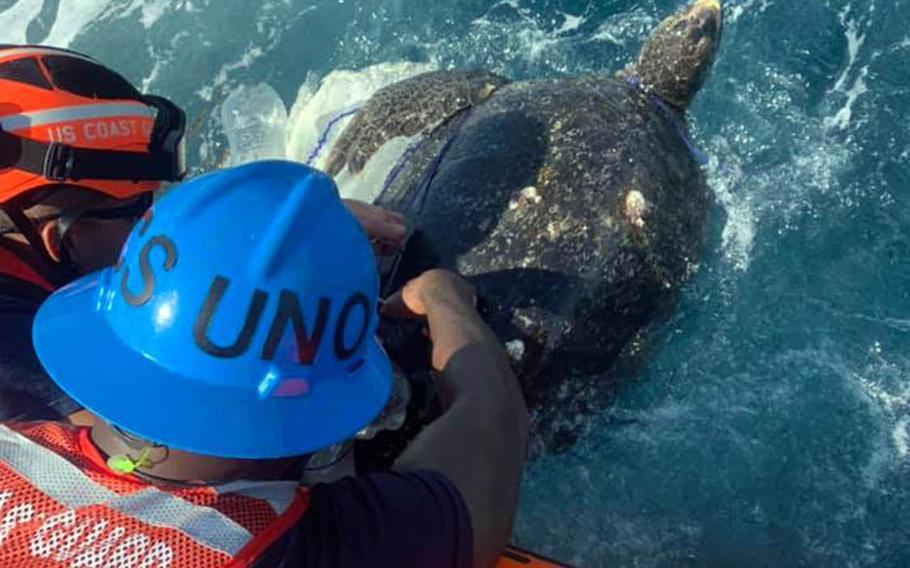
[(239, 321)]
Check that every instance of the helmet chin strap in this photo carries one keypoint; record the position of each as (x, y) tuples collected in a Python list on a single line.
[(128, 454), (56, 262), (57, 272)]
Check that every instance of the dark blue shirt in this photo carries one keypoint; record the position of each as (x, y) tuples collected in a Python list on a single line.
[(26, 392), (381, 520), (391, 519)]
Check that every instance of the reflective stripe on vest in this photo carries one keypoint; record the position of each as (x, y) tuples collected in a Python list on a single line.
[(59, 508)]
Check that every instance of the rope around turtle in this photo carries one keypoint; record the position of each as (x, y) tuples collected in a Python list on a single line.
[(665, 110), (324, 137), (419, 196)]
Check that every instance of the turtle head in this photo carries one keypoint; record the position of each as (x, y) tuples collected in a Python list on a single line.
[(675, 61)]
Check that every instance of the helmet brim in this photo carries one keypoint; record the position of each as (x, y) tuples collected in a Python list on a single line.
[(90, 362)]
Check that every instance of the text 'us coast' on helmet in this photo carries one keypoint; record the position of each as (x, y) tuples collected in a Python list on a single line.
[(66, 119), (239, 321)]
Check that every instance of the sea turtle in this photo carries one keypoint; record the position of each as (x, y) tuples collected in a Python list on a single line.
[(575, 205)]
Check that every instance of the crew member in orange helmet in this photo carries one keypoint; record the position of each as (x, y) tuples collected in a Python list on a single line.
[(81, 154)]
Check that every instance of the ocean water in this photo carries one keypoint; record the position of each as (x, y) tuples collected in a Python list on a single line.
[(770, 423)]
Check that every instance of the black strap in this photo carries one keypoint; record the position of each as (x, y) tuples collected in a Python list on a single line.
[(132, 210), (61, 162), (30, 232)]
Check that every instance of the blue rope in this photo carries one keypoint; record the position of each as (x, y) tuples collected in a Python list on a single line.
[(399, 167), (437, 162), (324, 137), (699, 156), (422, 191)]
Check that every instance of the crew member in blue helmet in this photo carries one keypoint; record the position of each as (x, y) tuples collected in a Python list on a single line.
[(232, 344)]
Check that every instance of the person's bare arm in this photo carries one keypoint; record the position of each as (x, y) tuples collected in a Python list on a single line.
[(385, 228), (480, 441)]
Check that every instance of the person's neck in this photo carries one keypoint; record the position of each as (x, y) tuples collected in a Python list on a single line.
[(169, 465)]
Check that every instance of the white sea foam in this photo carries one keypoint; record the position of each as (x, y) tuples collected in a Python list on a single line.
[(534, 38), (246, 60), (885, 384), (14, 21), (901, 435), (733, 12), (570, 23), (759, 196), (510, 33), (73, 17), (162, 59), (841, 119), (270, 25), (738, 233), (624, 28), (152, 11), (855, 40)]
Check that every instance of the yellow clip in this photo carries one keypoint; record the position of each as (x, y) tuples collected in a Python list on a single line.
[(124, 464)]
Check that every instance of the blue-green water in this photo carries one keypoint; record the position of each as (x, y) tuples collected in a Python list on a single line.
[(770, 425)]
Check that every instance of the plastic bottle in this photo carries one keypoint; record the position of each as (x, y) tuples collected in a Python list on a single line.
[(254, 119)]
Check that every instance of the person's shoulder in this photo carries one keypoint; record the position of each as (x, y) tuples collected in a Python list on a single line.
[(415, 518), (26, 392), (13, 306), (417, 483), (16, 318), (18, 296)]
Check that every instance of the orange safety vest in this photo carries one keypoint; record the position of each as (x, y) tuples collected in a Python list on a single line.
[(12, 265), (60, 506)]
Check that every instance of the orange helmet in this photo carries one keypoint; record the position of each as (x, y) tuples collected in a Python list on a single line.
[(66, 119)]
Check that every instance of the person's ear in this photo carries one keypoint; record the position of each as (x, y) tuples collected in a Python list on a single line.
[(48, 234)]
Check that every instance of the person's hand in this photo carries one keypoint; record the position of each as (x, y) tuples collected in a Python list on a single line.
[(386, 229), (420, 295)]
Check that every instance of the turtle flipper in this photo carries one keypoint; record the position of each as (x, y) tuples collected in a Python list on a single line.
[(408, 108), (675, 61)]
